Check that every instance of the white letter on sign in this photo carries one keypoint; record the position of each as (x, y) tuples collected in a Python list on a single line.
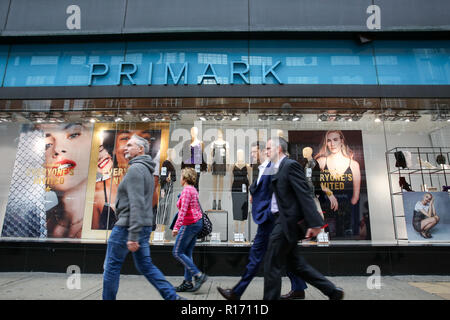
[(74, 20), (374, 20)]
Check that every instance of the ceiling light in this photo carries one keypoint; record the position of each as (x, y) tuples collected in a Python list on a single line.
[(92, 120), (279, 118), (377, 119), (406, 120)]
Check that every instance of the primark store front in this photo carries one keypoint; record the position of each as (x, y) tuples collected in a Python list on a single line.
[(361, 87)]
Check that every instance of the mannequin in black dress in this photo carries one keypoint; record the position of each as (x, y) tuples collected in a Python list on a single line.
[(239, 192), (220, 157)]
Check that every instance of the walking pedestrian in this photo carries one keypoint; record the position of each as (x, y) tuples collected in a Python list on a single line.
[(291, 202), (261, 195), (188, 225), (135, 218)]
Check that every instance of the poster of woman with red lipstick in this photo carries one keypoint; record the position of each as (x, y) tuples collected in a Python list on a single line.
[(339, 155), (48, 188), (111, 165)]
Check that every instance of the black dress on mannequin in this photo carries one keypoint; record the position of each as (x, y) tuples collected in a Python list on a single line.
[(239, 194)]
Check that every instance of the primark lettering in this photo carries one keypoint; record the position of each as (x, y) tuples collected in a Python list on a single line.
[(238, 69)]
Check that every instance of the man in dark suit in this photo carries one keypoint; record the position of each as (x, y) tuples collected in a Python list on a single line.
[(261, 193), (291, 202)]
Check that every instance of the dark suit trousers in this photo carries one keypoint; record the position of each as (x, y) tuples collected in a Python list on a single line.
[(283, 253), (256, 257)]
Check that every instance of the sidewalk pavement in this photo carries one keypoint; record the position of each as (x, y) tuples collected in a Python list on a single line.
[(53, 286)]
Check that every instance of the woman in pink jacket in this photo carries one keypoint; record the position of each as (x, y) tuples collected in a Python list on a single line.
[(187, 226)]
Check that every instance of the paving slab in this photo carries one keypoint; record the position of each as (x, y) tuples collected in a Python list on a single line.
[(54, 286)]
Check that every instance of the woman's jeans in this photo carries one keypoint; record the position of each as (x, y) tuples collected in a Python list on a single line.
[(184, 246), (116, 253)]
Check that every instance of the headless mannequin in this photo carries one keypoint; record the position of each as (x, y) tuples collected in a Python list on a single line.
[(171, 156), (197, 166), (239, 226), (307, 154), (217, 178)]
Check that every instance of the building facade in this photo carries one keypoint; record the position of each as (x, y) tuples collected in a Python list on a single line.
[(361, 87)]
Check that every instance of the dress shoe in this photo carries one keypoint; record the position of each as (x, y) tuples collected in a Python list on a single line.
[(294, 295), (337, 294), (228, 294)]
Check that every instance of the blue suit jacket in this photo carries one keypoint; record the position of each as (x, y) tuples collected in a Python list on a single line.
[(262, 198)]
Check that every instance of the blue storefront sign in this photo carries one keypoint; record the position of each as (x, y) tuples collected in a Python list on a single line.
[(226, 62)]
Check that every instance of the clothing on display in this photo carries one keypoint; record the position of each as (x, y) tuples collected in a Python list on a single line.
[(400, 159), (239, 193), (193, 157), (346, 218), (107, 216), (165, 202), (219, 154), (408, 159)]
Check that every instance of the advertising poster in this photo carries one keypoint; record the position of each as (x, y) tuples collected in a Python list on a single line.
[(339, 173), (108, 166), (49, 181), (427, 216)]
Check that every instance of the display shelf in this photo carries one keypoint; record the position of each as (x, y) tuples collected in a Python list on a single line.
[(419, 176)]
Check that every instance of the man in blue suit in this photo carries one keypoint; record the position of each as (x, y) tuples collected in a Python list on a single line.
[(261, 192)]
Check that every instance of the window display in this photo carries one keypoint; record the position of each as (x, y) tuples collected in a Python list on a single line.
[(366, 166)]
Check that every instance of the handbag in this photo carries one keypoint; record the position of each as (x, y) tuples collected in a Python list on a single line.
[(207, 225), (174, 220)]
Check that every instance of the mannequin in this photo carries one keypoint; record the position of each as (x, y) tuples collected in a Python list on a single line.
[(167, 178), (239, 192), (220, 156), (193, 155), (312, 174)]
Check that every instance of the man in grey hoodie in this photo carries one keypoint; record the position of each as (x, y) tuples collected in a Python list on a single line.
[(135, 218)]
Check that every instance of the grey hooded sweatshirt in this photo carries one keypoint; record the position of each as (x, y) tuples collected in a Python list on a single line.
[(134, 197)]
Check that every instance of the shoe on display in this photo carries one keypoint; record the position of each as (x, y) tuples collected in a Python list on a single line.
[(294, 295), (199, 280), (404, 185), (214, 205), (228, 294), (184, 287), (219, 206)]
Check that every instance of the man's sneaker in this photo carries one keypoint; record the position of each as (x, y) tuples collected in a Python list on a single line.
[(199, 281), (185, 286)]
